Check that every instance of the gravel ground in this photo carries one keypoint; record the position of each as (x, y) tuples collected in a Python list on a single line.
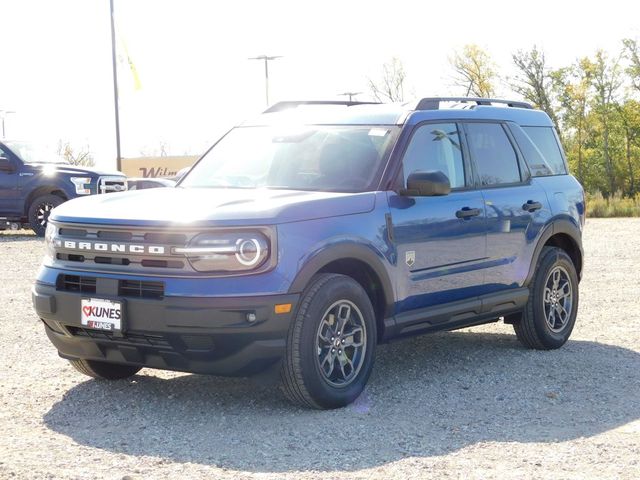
[(466, 404)]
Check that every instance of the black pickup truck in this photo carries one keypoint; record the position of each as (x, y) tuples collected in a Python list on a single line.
[(32, 184)]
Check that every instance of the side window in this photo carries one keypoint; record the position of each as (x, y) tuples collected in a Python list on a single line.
[(545, 139), (493, 154), (435, 146)]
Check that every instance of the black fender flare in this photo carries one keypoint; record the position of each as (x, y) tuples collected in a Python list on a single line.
[(555, 227), (346, 251), (40, 190)]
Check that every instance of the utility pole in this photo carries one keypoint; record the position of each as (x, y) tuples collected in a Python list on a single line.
[(266, 59), (3, 114), (350, 95), (115, 86)]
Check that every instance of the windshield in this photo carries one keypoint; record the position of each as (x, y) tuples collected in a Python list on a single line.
[(326, 158), (33, 153)]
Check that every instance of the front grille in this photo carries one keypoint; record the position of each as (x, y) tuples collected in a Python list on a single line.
[(141, 289), (112, 184), (76, 283), (126, 250), (126, 288)]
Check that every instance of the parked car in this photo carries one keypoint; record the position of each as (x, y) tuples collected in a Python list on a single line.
[(33, 183), (181, 173), (309, 235), (144, 183)]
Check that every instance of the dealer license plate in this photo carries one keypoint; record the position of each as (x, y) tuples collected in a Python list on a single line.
[(101, 314)]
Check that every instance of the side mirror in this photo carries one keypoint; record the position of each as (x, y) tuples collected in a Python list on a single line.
[(427, 184)]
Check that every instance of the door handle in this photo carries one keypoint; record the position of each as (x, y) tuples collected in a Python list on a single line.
[(531, 206), (466, 212)]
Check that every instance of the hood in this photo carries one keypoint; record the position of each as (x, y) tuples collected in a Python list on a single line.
[(65, 168), (186, 207)]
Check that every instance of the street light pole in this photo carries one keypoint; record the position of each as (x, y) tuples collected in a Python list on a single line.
[(115, 86), (3, 114), (266, 59)]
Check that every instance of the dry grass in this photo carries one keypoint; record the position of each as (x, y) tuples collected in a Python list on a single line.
[(615, 206)]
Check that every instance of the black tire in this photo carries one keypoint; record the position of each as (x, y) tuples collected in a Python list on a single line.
[(39, 211), (302, 380), (533, 328), (104, 370)]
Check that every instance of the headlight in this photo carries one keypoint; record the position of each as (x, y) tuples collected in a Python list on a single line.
[(82, 185), (49, 234), (227, 251)]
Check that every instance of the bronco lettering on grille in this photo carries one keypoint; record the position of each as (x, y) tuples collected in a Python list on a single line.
[(111, 247)]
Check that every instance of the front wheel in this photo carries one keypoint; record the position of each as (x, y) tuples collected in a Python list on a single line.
[(550, 313), (330, 344), (104, 370), (39, 212)]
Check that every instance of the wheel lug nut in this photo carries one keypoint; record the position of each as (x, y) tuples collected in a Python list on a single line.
[(332, 339), (343, 341), (333, 350), (339, 352), (338, 333)]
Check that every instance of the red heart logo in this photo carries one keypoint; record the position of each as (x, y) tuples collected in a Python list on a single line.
[(87, 311)]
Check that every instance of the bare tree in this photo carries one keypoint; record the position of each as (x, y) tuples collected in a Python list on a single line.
[(474, 71), (390, 88), (81, 157), (534, 81)]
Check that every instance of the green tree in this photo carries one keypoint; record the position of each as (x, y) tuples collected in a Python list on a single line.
[(474, 71), (572, 86), (629, 116), (632, 53), (534, 81), (606, 80)]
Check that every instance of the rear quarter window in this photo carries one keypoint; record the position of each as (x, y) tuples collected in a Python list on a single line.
[(542, 151)]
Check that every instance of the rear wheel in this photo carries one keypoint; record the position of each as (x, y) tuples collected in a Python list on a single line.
[(104, 370), (550, 313), (330, 344), (39, 212)]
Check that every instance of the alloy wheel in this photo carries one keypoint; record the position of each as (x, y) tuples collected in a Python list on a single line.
[(557, 299), (341, 343)]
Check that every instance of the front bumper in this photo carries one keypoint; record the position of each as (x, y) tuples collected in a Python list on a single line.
[(192, 334)]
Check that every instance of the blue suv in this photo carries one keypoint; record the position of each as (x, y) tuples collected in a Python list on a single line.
[(304, 238)]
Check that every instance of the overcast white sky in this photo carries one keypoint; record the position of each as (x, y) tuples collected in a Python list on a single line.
[(191, 57)]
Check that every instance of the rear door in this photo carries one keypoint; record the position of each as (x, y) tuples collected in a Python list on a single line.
[(440, 240), (516, 207)]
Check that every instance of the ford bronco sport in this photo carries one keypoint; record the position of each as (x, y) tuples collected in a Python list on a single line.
[(306, 237)]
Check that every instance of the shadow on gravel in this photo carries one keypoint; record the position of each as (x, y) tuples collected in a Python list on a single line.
[(428, 396), (19, 237)]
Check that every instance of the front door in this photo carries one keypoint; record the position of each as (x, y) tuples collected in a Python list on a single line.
[(8, 186), (440, 240)]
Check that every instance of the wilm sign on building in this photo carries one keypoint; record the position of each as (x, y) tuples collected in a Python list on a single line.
[(154, 167)]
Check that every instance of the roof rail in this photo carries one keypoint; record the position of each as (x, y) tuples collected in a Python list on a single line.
[(433, 103), (278, 107)]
